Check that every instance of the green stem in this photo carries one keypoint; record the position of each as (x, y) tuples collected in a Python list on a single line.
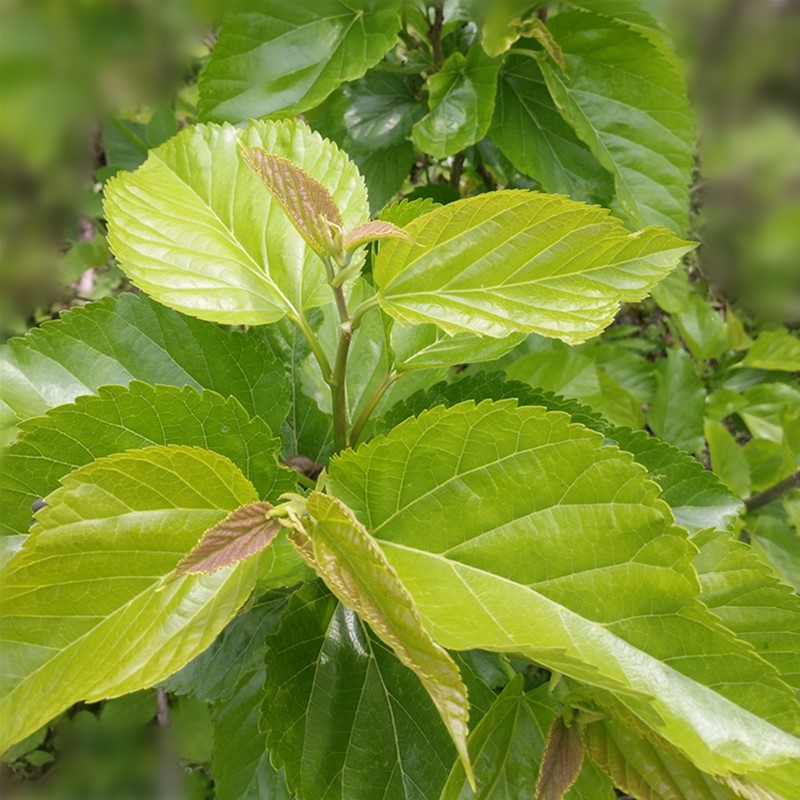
[(366, 412), (363, 308), (339, 389), (316, 346)]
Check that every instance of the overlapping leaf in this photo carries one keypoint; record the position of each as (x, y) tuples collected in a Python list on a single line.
[(750, 600), (626, 101), (86, 611), (126, 418), (531, 133), (129, 338), (461, 101), (353, 567), (520, 262), (561, 550), (507, 746), (197, 230), (288, 57), (333, 694)]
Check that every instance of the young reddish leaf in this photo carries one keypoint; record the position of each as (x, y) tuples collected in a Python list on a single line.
[(355, 569), (308, 203), (369, 231), (561, 762), (243, 533)]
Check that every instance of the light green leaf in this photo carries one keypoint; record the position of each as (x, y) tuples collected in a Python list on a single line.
[(548, 544), (403, 211), (198, 231), (503, 23), (520, 262), (776, 349), (750, 600), (426, 346), (130, 338), (461, 102), (676, 412), (727, 458), (627, 102), (531, 134), (127, 418), (648, 768), (697, 498), (702, 328), (86, 611), (240, 763), (333, 692), (506, 748), (288, 57), (353, 567)]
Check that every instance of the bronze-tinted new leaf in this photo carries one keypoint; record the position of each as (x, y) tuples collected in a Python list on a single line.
[(243, 533), (370, 231), (561, 762), (307, 202)]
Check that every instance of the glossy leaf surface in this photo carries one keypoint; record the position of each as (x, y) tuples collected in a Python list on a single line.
[(133, 338), (605, 575), (264, 62), (531, 133), (778, 349), (127, 418), (334, 692), (461, 101), (198, 231), (352, 565), (628, 103), (520, 262), (86, 611), (507, 746)]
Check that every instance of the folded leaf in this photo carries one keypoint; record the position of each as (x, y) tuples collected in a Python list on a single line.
[(241, 535), (645, 768), (199, 232), (86, 613), (547, 543), (129, 338), (516, 261), (334, 692), (352, 565), (127, 418), (561, 761), (307, 202), (275, 56), (371, 231), (628, 103)]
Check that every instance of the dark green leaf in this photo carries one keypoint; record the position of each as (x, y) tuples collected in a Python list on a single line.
[(279, 57), (461, 101), (125, 418), (129, 338), (335, 693), (531, 133)]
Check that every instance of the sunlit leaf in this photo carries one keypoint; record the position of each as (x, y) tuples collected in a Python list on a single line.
[(520, 262)]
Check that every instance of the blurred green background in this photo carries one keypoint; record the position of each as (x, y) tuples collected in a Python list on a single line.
[(87, 87)]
